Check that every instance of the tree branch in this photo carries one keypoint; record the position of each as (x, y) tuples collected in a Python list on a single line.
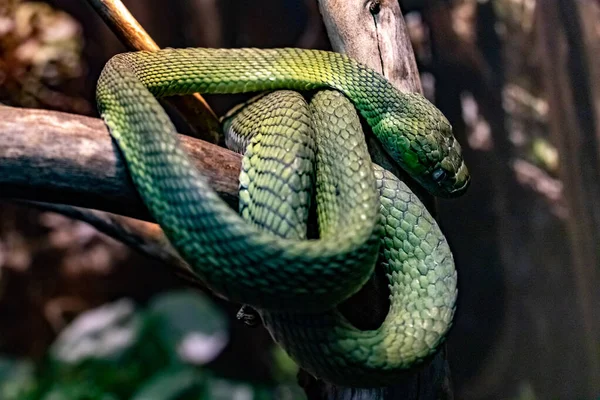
[(63, 158), (194, 109), (373, 33)]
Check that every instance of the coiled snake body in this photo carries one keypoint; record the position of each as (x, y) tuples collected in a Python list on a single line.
[(294, 282)]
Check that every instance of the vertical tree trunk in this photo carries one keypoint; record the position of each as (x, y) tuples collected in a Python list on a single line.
[(514, 336), (574, 130)]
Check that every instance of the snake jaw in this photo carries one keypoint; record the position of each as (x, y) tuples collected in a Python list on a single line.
[(424, 147)]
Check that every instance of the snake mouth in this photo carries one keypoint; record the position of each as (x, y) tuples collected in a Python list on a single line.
[(459, 191)]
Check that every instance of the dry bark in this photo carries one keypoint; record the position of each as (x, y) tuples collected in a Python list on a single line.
[(375, 34), (64, 158)]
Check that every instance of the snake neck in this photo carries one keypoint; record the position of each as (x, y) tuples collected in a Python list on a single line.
[(412, 131), (223, 71)]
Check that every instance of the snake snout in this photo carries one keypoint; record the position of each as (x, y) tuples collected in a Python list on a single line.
[(451, 176), (426, 147), (460, 184)]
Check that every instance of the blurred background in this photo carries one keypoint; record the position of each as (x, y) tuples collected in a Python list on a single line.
[(519, 81)]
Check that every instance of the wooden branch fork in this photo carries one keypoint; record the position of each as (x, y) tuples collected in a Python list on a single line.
[(54, 157)]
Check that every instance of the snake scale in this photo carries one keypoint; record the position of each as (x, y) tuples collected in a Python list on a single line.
[(292, 148)]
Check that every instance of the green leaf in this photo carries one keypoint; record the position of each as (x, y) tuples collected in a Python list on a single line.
[(78, 391), (221, 389), (17, 379), (189, 324), (106, 333), (110, 347), (176, 384)]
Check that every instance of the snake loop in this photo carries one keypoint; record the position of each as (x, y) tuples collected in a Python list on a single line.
[(414, 253), (297, 283)]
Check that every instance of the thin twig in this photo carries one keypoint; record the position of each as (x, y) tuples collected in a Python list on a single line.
[(194, 109)]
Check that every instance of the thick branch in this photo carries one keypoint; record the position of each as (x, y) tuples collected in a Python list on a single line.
[(374, 33), (64, 158)]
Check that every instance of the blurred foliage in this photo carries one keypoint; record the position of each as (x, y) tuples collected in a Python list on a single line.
[(525, 99), (120, 351), (40, 57)]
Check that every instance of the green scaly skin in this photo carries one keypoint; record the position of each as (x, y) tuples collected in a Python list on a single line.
[(239, 261), (414, 253)]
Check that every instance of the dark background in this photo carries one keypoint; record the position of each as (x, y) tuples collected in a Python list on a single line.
[(518, 81)]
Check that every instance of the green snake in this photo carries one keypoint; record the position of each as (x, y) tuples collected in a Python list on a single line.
[(297, 282)]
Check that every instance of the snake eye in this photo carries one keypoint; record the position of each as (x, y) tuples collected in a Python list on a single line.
[(438, 175)]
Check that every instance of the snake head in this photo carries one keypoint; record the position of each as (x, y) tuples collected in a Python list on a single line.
[(450, 176), (419, 138)]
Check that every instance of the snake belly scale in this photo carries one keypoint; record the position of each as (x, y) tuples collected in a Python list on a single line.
[(297, 282)]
